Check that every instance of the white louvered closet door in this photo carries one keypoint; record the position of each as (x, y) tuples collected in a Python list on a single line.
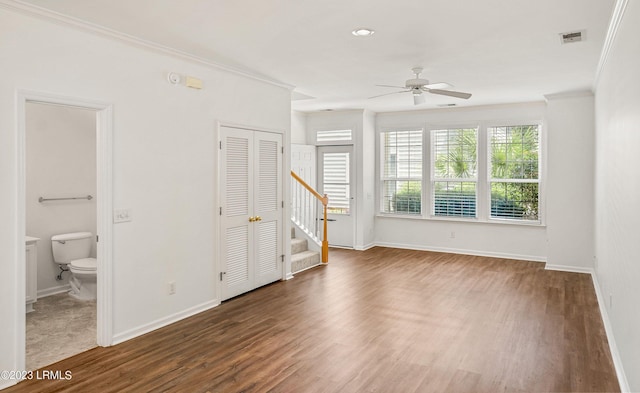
[(251, 216), (268, 206)]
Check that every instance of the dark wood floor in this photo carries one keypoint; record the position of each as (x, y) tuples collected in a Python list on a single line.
[(382, 320)]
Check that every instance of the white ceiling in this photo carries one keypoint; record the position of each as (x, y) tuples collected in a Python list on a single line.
[(502, 51)]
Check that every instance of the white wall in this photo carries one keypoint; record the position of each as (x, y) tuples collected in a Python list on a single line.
[(501, 240), (617, 184), (367, 167), (164, 165), (60, 162), (569, 185), (564, 239), (298, 128)]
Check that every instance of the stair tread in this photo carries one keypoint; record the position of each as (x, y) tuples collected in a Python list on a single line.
[(303, 255), (299, 245)]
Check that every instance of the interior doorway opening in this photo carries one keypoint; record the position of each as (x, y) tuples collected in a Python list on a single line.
[(102, 171)]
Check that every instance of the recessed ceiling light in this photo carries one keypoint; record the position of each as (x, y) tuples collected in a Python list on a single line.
[(362, 32)]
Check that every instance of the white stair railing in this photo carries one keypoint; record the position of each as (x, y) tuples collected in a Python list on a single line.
[(307, 206)]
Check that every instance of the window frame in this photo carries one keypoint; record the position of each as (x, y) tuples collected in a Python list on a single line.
[(349, 183), (381, 179), (483, 170), (539, 181), (323, 140), (432, 167)]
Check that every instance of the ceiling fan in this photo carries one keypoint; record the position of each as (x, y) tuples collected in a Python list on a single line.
[(418, 86)]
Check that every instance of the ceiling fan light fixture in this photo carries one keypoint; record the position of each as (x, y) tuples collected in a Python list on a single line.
[(362, 32), (417, 86)]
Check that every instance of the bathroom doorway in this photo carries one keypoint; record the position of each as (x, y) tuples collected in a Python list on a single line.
[(60, 198), (64, 169)]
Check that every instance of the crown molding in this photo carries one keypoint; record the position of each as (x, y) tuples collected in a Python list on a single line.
[(569, 94), (61, 19), (614, 25)]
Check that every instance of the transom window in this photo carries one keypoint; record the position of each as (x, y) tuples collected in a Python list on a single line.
[(333, 136)]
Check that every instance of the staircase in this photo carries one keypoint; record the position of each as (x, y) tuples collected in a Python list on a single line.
[(301, 257)]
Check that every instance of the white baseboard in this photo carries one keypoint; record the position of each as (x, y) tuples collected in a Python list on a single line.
[(289, 276), (570, 269), (365, 247), (615, 354), (530, 258), (7, 383), (53, 290), (162, 322)]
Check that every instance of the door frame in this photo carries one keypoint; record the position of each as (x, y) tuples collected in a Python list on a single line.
[(104, 208), (286, 214), (353, 207)]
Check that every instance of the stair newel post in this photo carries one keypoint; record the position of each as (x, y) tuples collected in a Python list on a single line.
[(325, 240)]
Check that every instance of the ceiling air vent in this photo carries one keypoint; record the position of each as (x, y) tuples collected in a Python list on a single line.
[(573, 36)]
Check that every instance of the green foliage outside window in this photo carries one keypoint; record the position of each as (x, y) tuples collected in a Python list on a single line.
[(514, 156), (514, 175), (408, 199)]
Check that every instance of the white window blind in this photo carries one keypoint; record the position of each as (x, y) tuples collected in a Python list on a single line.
[(402, 172), (336, 182), (514, 180), (333, 136), (454, 172)]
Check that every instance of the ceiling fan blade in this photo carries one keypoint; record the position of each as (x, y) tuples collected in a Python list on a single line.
[(386, 94), (397, 87), (439, 85), (418, 99), (450, 93)]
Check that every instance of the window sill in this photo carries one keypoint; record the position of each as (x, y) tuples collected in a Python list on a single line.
[(537, 224)]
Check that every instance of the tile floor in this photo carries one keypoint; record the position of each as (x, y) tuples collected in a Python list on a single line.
[(60, 327)]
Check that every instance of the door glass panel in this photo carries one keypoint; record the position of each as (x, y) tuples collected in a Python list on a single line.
[(336, 182)]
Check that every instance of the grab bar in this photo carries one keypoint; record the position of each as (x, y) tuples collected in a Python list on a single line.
[(41, 199)]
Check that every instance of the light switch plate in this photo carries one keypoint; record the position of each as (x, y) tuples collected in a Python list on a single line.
[(121, 215)]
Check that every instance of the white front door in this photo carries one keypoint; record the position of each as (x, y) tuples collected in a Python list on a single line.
[(250, 210), (336, 179)]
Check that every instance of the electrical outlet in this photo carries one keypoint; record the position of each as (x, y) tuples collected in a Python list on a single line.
[(452, 235), (172, 287)]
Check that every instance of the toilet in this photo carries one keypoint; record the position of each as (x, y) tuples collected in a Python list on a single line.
[(74, 250)]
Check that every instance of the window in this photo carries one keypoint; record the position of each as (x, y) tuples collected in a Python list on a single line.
[(485, 172), (454, 172), (514, 181), (333, 136), (336, 182), (402, 172)]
